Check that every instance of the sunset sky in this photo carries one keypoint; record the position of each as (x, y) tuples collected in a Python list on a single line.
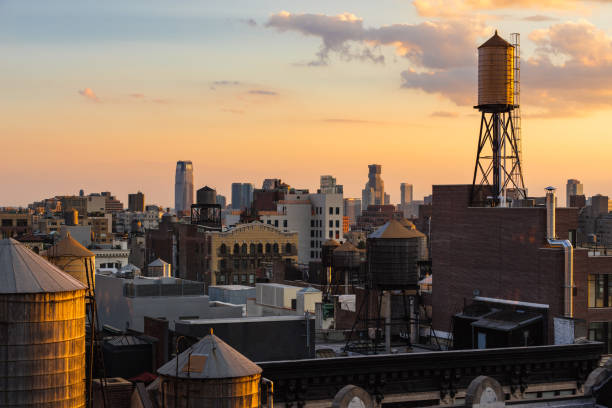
[(108, 95)]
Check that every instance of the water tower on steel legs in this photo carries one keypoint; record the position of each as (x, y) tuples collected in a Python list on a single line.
[(498, 174)]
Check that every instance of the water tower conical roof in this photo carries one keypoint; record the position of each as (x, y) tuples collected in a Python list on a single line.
[(210, 358), (69, 246), (23, 271)]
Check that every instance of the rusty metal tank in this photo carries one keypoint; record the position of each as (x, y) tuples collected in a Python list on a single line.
[(495, 73), (42, 332)]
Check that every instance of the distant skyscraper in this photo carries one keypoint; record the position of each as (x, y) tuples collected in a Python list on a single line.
[(183, 187), (574, 187), (242, 195), (352, 209), (374, 191), (221, 200), (329, 186), (136, 202), (405, 193)]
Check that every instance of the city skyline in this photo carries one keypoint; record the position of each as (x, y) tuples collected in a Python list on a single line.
[(202, 79)]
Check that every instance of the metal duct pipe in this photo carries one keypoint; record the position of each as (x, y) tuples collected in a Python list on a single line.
[(551, 236)]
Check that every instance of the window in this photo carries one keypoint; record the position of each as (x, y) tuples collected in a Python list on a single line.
[(7, 223), (276, 223), (337, 223), (269, 222), (312, 233), (268, 248), (22, 223), (251, 278), (312, 244), (331, 233), (223, 249), (331, 224), (288, 248), (285, 223), (275, 248), (235, 277), (337, 210), (236, 264), (601, 331), (252, 249), (236, 249), (222, 278), (244, 249), (331, 210), (312, 254), (245, 264), (260, 248), (599, 290), (312, 223), (337, 234)]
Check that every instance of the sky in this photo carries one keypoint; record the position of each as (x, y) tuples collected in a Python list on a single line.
[(109, 95)]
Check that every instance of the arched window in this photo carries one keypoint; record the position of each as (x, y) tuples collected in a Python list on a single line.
[(288, 248), (275, 248), (236, 249), (252, 249), (268, 248), (223, 249), (244, 249), (260, 248)]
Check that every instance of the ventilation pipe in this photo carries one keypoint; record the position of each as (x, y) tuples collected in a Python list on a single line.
[(551, 237)]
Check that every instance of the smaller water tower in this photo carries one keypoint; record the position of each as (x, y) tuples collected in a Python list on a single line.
[(210, 374), (74, 259)]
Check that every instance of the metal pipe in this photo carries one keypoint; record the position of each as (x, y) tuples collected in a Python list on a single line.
[(568, 298)]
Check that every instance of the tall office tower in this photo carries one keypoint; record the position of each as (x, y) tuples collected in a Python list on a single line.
[(329, 186), (374, 191), (352, 209), (242, 195), (183, 187), (136, 202), (221, 201), (574, 187), (405, 193)]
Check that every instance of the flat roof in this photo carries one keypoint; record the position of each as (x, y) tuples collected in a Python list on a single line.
[(245, 319), (232, 287)]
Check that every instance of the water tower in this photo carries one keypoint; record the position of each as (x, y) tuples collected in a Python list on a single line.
[(498, 173)]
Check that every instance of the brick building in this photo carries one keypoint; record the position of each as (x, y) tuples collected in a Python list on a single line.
[(503, 253)]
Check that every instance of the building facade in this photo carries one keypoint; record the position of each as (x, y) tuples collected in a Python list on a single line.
[(573, 188), (136, 202), (248, 251), (242, 195), (183, 188), (352, 210)]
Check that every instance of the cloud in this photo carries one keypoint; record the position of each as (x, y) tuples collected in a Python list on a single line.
[(539, 18), (137, 96), (262, 92), (444, 114), (569, 74), (456, 8), (224, 83), (89, 94), (351, 121), (249, 21), (431, 45)]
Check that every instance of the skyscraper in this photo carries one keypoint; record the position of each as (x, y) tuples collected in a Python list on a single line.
[(352, 209), (242, 195), (136, 202), (574, 187), (405, 193), (183, 187), (329, 186), (374, 191)]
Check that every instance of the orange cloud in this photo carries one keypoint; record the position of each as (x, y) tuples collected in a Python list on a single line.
[(89, 94), (454, 8)]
